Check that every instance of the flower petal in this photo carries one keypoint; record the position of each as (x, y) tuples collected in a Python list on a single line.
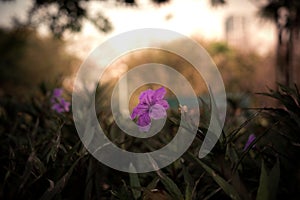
[(251, 138), (139, 110), (57, 107), (145, 128), (159, 94), (146, 97), (65, 105), (144, 120), (57, 92), (163, 103), (157, 111)]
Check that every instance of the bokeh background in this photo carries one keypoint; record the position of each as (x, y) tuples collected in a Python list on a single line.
[(49, 39), (255, 45)]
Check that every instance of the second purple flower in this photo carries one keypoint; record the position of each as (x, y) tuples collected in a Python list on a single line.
[(151, 106), (59, 104), (251, 138)]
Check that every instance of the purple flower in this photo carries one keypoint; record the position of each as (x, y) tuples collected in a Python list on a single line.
[(57, 92), (251, 138), (59, 104), (151, 106)]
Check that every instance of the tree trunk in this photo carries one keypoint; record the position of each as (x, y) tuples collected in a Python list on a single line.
[(295, 47), (288, 52)]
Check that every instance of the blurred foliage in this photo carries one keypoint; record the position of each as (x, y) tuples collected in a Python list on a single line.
[(61, 16), (69, 15), (238, 68), (43, 158), (270, 9), (241, 71), (285, 15), (28, 60), (218, 2)]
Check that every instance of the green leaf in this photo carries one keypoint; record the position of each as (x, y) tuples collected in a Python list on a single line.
[(212, 193), (170, 186), (123, 193), (227, 188), (89, 181), (232, 155), (234, 133), (152, 185), (28, 169), (134, 183), (189, 183), (89, 132), (269, 181), (59, 186)]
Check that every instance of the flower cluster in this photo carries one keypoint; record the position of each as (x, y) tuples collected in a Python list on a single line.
[(59, 104), (151, 106)]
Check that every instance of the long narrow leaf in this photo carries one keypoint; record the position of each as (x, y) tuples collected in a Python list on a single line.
[(134, 183), (170, 186), (189, 183), (269, 181), (252, 144), (59, 186), (227, 188)]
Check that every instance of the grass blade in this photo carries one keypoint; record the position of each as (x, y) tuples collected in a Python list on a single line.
[(269, 181), (59, 186), (134, 183), (170, 186), (226, 187)]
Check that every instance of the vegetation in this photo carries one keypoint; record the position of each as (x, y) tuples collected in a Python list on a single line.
[(43, 158), (28, 60)]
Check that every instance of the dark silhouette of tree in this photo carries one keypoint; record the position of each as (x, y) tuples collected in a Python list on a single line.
[(286, 15), (68, 15), (217, 2)]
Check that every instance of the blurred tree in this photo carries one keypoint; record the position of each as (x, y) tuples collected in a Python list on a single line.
[(238, 69), (68, 15), (28, 60), (286, 15), (217, 2)]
